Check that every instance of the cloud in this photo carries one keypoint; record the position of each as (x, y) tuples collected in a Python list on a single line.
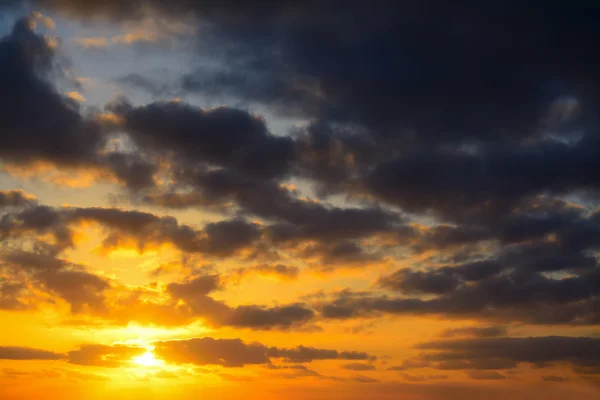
[(236, 353), (222, 136), (548, 278), (486, 375), (483, 183), (39, 123), (280, 271), (221, 238), (104, 356), (16, 198), (484, 354), (43, 270), (359, 367), (483, 332), (485, 94), (303, 354), (43, 127), (26, 353)]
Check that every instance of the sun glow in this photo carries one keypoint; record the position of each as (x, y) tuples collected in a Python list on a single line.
[(148, 360)]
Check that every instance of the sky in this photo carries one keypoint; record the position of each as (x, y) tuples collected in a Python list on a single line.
[(299, 200)]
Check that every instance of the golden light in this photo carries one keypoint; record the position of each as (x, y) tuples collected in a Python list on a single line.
[(148, 360)]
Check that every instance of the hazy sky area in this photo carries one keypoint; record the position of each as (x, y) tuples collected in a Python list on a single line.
[(227, 199)]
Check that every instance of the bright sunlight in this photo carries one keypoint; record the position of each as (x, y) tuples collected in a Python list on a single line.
[(148, 360)]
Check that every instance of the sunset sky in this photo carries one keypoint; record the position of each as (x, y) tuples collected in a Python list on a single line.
[(303, 200)]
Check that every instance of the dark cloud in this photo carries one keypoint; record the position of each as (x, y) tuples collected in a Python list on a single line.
[(209, 351), (44, 269), (297, 218), (144, 229), (303, 354), (96, 355), (260, 317), (38, 122), (236, 353), (480, 72), (483, 332), (223, 136), (15, 198), (410, 282), (194, 293), (359, 367), (78, 288), (506, 353), (511, 297), (11, 295), (33, 272), (486, 375), (42, 125), (547, 279), (487, 72), (131, 169), (339, 254), (277, 270), (457, 185), (199, 286), (410, 364), (225, 237), (26, 353)]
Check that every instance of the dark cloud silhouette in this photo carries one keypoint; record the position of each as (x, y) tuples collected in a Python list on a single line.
[(194, 292), (260, 317), (15, 198), (222, 238), (296, 218), (236, 353), (410, 282), (32, 272), (488, 331), (38, 122), (26, 353), (223, 136), (506, 353), (42, 125), (209, 351), (190, 299), (359, 367), (545, 276), (534, 299), (486, 375), (104, 356), (488, 182), (277, 270), (482, 72)]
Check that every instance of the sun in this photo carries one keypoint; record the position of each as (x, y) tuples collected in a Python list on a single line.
[(148, 360)]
